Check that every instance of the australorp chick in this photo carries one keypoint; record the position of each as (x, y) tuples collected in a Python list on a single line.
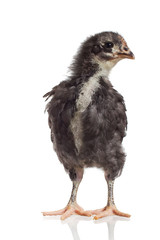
[(87, 118)]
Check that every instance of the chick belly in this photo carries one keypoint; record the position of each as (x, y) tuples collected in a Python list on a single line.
[(97, 144), (93, 151), (96, 151)]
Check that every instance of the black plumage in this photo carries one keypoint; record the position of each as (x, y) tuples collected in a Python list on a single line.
[(87, 116)]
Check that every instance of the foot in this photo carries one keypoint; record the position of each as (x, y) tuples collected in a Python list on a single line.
[(108, 211), (70, 209)]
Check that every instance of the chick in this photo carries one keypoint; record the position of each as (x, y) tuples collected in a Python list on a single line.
[(87, 118)]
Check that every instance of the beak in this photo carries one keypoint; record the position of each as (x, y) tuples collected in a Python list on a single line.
[(126, 54)]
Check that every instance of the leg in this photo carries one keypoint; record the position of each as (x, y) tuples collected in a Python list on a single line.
[(72, 206), (110, 209)]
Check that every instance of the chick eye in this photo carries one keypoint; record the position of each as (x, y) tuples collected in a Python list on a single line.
[(109, 45)]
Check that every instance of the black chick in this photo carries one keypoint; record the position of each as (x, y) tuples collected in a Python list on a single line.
[(87, 118)]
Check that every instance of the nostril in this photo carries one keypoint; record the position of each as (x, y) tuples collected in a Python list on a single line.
[(125, 49)]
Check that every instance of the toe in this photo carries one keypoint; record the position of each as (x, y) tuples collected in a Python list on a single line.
[(121, 214), (67, 214), (97, 211), (59, 212), (102, 214), (109, 211), (70, 209), (83, 213)]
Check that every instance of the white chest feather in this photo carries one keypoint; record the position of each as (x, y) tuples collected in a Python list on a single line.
[(86, 93), (85, 98)]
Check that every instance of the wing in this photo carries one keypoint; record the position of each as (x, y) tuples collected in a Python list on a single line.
[(61, 109), (50, 94), (63, 97)]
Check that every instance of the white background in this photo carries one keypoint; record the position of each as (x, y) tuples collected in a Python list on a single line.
[(38, 40)]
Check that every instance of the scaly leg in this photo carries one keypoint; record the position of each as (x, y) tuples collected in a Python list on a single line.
[(72, 207), (110, 209)]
